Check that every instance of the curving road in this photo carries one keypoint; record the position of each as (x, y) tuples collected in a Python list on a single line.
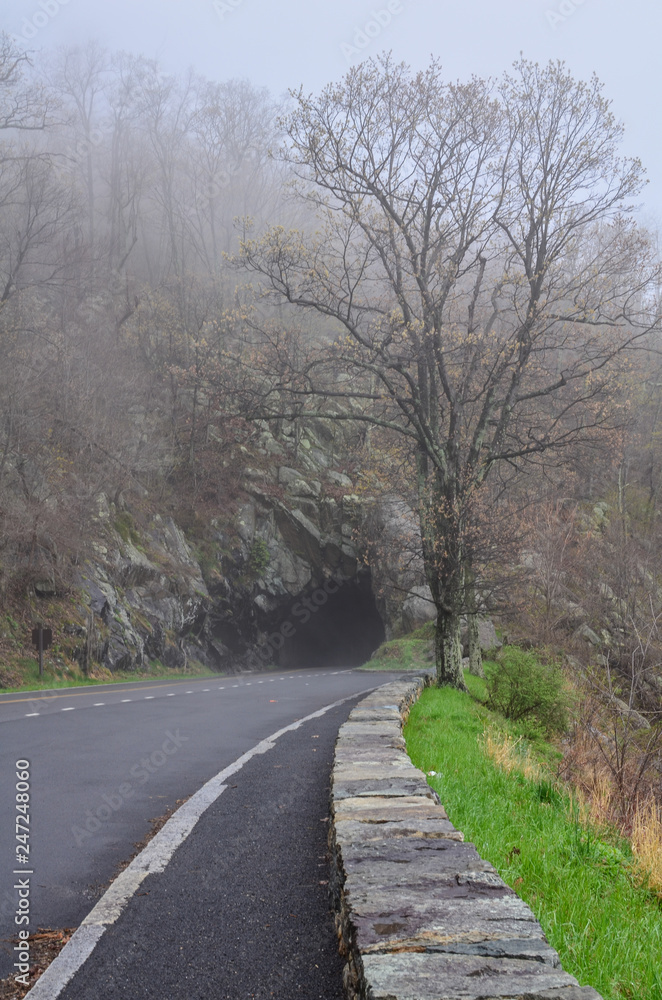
[(103, 762)]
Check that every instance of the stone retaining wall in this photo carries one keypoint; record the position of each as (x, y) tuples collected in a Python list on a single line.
[(420, 916)]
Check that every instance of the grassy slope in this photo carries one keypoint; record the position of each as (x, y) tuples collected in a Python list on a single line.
[(607, 930), (413, 652), (19, 670), (54, 678)]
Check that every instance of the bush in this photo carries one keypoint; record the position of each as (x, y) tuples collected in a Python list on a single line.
[(259, 558), (126, 528), (523, 689)]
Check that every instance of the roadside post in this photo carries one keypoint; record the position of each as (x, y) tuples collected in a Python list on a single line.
[(42, 638)]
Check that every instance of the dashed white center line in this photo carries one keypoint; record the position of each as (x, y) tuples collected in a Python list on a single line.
[(172, 694)]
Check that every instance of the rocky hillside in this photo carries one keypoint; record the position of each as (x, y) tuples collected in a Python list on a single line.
[(278, 578)]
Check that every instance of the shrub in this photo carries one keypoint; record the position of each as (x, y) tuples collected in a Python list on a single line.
[(523, 689), (259, 558), (126, 528)]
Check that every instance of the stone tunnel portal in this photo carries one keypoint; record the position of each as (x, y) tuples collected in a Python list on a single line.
[(336, 625)]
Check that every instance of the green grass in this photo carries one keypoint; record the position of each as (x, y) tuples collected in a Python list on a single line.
[(54, 679), (413, 652), (579, 883)]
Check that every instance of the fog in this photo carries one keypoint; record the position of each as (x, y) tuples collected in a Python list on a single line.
[(139, 291), (297, 43)]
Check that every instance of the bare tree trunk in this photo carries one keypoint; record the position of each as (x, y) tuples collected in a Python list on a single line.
[(448, 650), (475, 652), (442, 558)]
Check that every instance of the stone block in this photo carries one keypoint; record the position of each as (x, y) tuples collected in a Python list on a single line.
[(402, 917), (386, 712), (391, 786), (356, 830), (415, 857), (406, 976)]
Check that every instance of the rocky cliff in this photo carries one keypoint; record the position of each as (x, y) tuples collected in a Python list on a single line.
[(279, 579)]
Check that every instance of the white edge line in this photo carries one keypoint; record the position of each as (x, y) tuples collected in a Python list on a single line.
[(152, 860)]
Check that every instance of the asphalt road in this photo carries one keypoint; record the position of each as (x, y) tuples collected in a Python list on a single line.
[(104, 762)]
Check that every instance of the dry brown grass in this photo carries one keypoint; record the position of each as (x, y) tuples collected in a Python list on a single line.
[(601, 801), (508, 753), (647, 843), (592, 784), (600, 804), (614, 765), (623, 799), (595, 798)]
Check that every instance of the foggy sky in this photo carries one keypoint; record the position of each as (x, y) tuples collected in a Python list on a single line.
[(311, 42)]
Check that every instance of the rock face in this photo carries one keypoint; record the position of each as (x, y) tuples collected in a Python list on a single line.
[(418, 608), (283, 581), (276, 572), (487, 637), (281, 578), (636, 720), (399, 581), (420, 916), (311, 596), (144, 603)]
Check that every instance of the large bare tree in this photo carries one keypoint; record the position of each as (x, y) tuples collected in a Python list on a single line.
[(486, 284), (24, 103)]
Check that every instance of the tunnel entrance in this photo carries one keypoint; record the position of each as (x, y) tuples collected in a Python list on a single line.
[(336, 625)]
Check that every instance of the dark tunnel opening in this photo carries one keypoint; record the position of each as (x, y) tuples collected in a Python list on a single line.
[(336, 625)]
